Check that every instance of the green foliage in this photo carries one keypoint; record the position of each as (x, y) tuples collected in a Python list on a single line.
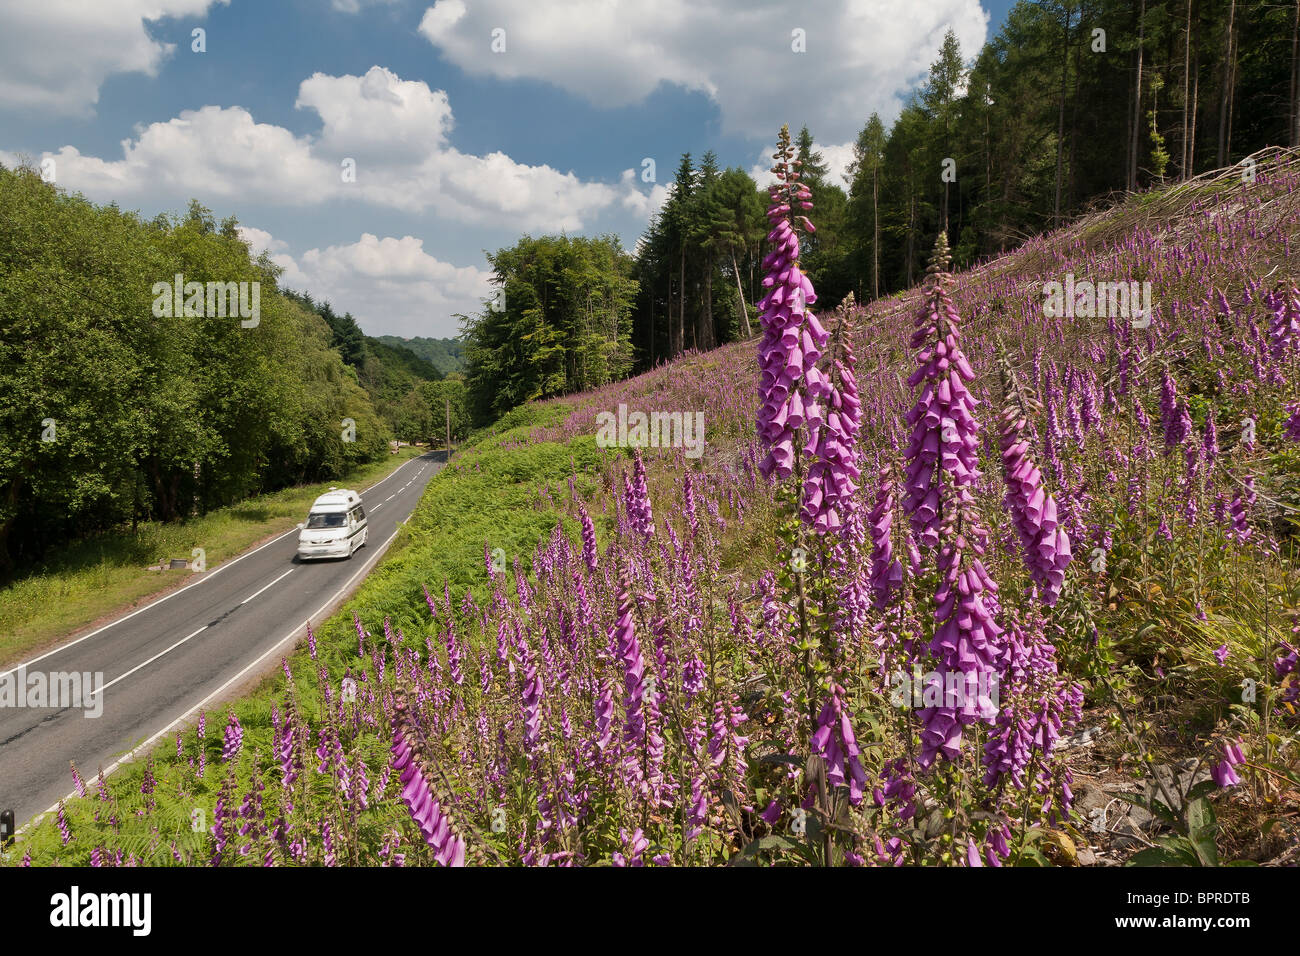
[(448, 404), (564, 327), (390, 373), (121, 415), (1040, 126), (698, 263), (487, 495), (446, 355)]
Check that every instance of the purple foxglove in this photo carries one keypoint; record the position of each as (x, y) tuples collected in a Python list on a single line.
[(793, 338), (448, 847)]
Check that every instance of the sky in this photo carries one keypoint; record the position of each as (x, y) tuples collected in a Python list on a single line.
[(378, 150)]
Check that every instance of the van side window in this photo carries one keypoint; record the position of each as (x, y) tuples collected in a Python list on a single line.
[(361, 513)]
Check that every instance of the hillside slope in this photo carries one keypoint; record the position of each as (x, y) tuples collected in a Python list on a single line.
[(684, 672), (446, 355)]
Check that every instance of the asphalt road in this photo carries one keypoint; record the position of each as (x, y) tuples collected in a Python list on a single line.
[(190, 649)]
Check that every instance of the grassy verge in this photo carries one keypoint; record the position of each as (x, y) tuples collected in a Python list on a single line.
[(500, 489), (96, 579)]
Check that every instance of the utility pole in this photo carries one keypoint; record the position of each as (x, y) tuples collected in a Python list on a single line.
[(448, 401)]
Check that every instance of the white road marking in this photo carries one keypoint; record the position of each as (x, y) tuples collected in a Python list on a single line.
[(184, 639), (291, 636), (207, 576), (260, 590), (148, 662)]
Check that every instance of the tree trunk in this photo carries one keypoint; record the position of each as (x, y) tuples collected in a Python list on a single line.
[(1196, 90), (1232, 99), (681, 308), (1224, 94), (740, 290), (875, 228), (1137, 100), (1071, 165), (1060, 119), (1187, 52), (911, 228), (707, 339), (1295, 77)]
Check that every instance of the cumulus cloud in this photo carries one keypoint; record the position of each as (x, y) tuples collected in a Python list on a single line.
[(393, 131), (837, 159), (55, 54), (643, 205), (377, 114), (390, 285), (860, 55)]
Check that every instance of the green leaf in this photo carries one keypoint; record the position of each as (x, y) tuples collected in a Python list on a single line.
[(1172, 851)]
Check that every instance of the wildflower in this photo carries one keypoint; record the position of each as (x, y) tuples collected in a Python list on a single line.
[(636, 844), (1223, 773), (1284, 328), (286, 750), (636, 499), (944, 431), (532, 698), (792, 339), (1174, 418), (835, 741), (623, 636), (604, 712), (1045, 545), (829, 492), (588, 540), (943, 459), (448, 847), (886, 570), (234, 739), (726, 746)]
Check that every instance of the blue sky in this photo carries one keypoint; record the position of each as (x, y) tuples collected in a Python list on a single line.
[(470, 123)]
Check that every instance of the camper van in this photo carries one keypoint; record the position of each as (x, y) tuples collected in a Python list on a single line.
[(335, 527)]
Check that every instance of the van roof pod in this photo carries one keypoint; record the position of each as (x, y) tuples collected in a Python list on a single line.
[(337, 500)]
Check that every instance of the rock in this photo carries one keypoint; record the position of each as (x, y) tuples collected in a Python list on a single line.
[(1089, 797)]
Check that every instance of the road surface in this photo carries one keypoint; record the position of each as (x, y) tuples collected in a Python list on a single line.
[(190, 648)]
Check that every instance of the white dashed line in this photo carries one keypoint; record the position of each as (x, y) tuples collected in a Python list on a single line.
[(206, 576), (148, 662), (260, 590)]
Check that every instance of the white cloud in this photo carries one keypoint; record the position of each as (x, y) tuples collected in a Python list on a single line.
[(212, 151), (391, 286), (836, 159), (643, 205), (860, 54), (259, 240), (55, 54), (394, 130), (377, 114)]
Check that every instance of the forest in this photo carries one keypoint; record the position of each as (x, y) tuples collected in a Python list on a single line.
[(1023, 136), (121, 417)]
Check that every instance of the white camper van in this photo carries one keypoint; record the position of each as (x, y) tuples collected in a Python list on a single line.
[(335, 527)]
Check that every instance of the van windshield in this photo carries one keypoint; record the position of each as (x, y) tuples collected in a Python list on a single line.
[(326, 519)]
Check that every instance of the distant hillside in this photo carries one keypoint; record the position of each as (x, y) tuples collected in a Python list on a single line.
[(386, 367), (446, 355)]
